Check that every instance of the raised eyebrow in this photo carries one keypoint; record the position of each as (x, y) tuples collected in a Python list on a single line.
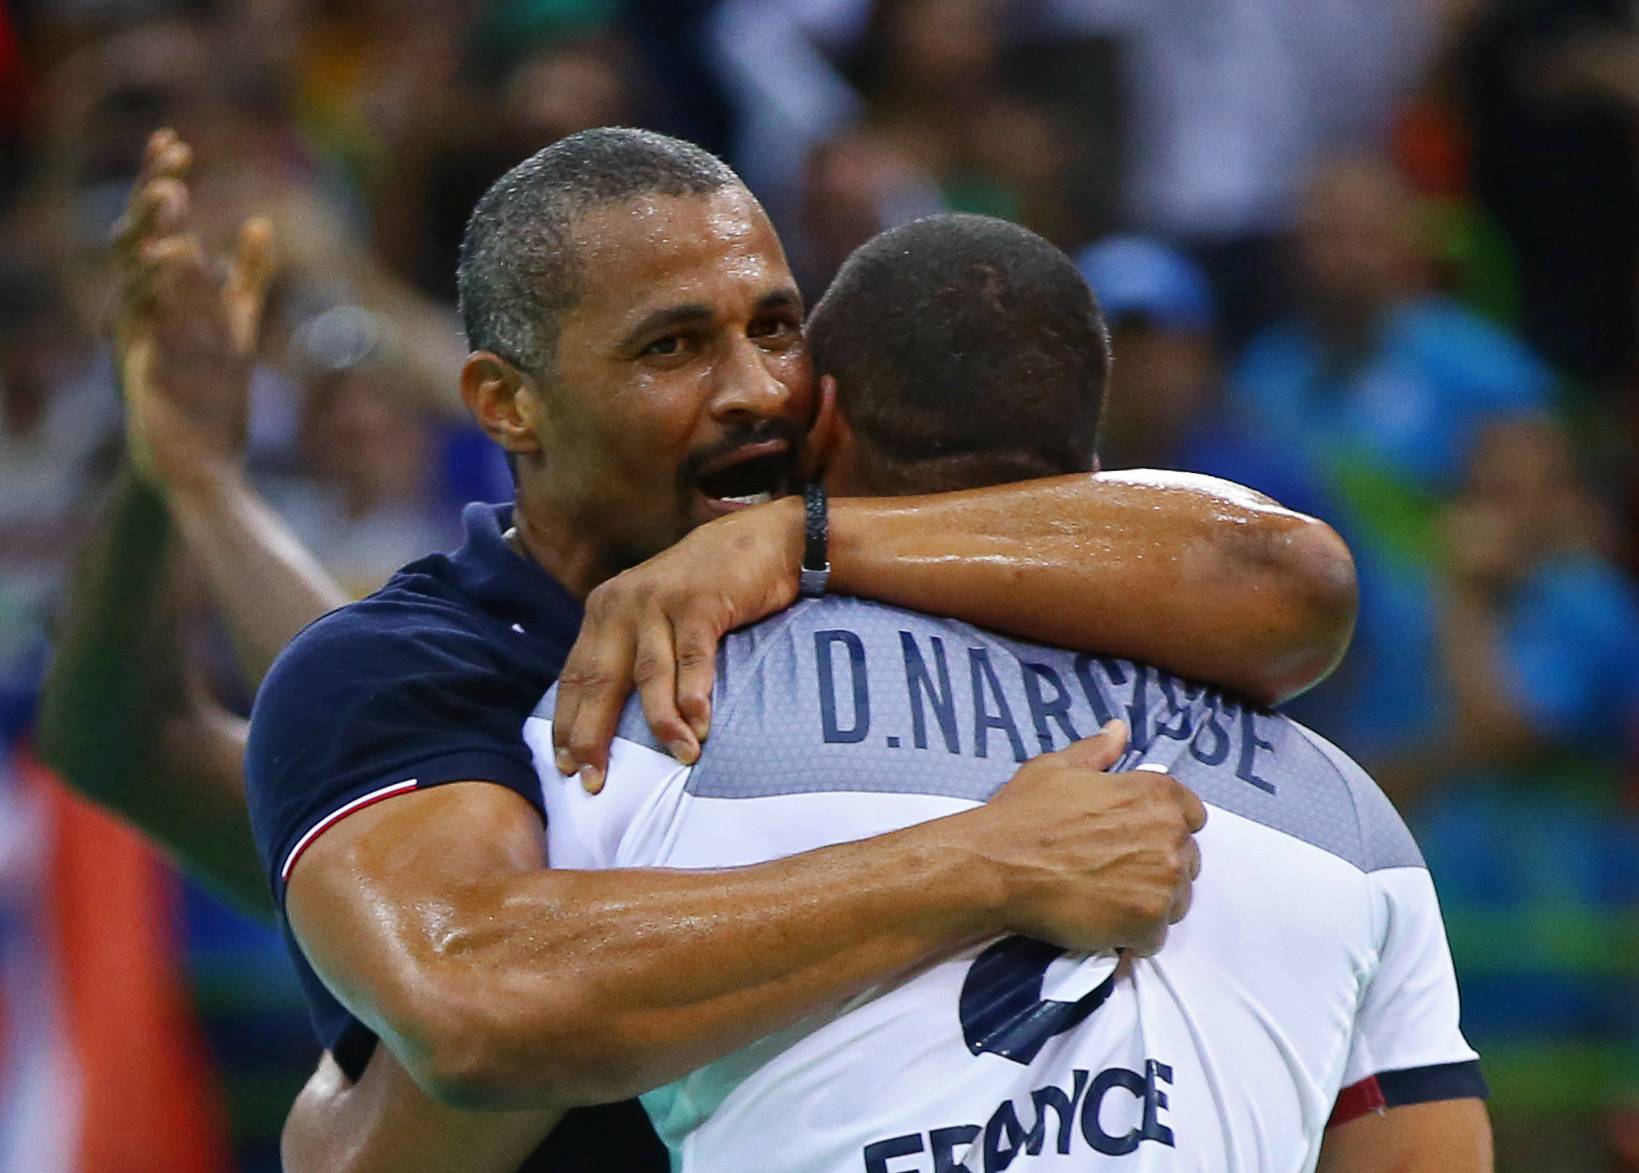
[(676, 315)]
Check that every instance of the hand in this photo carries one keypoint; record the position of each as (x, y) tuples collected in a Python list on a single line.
[(656, 627), (1095, 861), (183, 333)]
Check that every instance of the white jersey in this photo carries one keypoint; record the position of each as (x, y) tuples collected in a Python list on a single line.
[(1310, 978)]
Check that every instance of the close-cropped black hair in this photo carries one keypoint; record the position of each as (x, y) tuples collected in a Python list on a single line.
[(967, 351), (518, 271)]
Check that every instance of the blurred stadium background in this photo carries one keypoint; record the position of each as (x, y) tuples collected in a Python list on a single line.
[(1377, 258)]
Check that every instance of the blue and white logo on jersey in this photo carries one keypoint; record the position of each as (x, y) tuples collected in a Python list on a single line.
[(1003, 1008)]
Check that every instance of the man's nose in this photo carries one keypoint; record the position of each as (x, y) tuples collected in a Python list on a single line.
[(746, 386)]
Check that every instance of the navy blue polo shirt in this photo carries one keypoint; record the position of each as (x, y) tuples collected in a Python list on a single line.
[(425, 682)]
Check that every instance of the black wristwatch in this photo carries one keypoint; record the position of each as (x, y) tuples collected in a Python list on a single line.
[(816, 562)]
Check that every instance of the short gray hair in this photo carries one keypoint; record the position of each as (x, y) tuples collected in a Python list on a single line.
[(518, 271)]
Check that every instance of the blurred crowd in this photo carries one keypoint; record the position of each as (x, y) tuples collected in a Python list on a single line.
[(1376, 258)]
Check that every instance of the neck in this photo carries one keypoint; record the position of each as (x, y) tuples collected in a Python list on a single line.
[(563, 551)]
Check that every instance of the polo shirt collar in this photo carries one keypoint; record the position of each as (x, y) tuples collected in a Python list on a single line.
[(505, 583)]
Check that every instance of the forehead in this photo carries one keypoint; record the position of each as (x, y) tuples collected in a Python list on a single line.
[(660, 250)]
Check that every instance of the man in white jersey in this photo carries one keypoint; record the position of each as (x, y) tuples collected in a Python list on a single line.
[(1313, 982), (1311, 986)]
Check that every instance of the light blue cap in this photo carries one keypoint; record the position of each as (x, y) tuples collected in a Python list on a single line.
[(1141, 275)]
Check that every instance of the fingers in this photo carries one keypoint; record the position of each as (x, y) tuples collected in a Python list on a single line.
[(655, 674), (158, 209), (696, 674), (165, 154), (563, 717), (1194, 809), (245, 294), (592, 690), (1100, 751), (159, 198), (1147, 944)]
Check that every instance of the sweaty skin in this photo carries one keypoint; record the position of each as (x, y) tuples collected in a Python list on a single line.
[(501, 985), (909, 921), (1448, 1136)]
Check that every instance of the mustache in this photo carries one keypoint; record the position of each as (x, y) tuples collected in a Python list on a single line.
[(741, 437)]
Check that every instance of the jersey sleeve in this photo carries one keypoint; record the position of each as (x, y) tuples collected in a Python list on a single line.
[(1408, 1047), (370, 703)]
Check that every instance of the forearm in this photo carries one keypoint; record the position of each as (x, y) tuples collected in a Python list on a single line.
[(1197, 576), (551, 987), (261, 580)]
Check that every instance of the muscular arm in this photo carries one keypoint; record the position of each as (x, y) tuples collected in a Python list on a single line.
[(500, 984), (1195, 575), (1448, 1136)]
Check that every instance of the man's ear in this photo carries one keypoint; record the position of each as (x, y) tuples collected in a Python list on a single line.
[(503, 400), (829, 426)]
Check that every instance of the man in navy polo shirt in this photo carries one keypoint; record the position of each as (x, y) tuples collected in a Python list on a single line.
[(637, 351)]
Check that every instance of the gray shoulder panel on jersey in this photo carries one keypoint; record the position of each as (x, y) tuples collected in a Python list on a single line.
[(633, 725), (841, 694), (1386, 841)]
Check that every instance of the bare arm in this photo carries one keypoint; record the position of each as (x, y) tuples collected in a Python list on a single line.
[(384, 1123), (1195, 575), (120, 719), (184, 343), (1448, 1136), (260, 578), (500, 984)]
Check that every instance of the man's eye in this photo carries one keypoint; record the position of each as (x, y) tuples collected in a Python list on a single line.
[(672, 344), (773, 328)]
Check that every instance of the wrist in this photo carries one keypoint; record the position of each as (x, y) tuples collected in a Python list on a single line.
[(965, 887), (787, 520), (202, 480)]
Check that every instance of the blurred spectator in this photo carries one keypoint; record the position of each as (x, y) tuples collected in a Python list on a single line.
[(1234, 102), (1166, 407), (1530, 686), (986, 105), (1377, 381), (1554, 86), (1377, 391), (364, 498), (855, 185), (57, 415), (1531, 636)]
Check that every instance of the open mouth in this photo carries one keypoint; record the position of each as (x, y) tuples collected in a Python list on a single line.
[(749, 476)]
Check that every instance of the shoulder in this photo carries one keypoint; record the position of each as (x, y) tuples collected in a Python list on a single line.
[(406, 689), (408, 632), (1380, 836)]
